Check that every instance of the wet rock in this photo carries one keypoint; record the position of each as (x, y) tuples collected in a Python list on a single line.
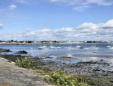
[(64, 58), (12, 57), (22, 52), (110, 71), (51, 57), (5, 50), (48, 57), (111, 81), (96, 69), (89, 62)]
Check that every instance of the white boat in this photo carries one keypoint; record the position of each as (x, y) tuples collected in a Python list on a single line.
[(52, 47), (111, 47), (80, 47), (31, 48), (69, 55), (58, 47), (108, 46), (42, 47)]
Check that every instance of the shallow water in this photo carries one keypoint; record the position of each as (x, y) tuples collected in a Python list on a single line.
[(62, 50), (96, 48)]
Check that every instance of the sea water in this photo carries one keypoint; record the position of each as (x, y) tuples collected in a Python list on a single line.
[(74, 50)]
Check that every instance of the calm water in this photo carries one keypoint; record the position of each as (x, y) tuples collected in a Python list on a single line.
[(61, 49), (58, 50)]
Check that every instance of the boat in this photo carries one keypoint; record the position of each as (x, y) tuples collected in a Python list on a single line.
[(44, 46), (80, 47), (69, 55), (40, 48), (58, 47), (108, 46), (31, 48), (52, 47)]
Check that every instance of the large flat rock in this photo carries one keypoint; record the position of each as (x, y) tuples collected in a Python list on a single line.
[(11, 75)]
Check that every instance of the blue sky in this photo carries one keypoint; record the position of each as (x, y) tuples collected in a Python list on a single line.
[(56, 19)]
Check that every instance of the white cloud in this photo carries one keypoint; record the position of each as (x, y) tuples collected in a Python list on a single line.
[(21, 1), (12, 6), (1, 25), (85, 31), (26, 1), (80, 5), (100, 2), (81, 8), (108, 24)]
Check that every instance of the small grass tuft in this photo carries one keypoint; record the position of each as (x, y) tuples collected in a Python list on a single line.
[(27, 62), (62, 79), (41, 71)]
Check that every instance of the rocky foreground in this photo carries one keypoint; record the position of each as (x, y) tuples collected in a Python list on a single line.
[(96, 73), (11, 75)]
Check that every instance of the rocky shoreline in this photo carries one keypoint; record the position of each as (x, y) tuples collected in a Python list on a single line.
[(11, 75), (98, 69), (92, 68), (82, 68)]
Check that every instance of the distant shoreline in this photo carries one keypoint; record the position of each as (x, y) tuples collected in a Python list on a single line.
[(49, 42), (45, 43)]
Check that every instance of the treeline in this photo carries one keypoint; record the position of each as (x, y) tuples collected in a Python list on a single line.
[(15, 41)]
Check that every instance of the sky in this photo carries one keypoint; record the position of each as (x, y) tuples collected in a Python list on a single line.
[(62, 20)]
